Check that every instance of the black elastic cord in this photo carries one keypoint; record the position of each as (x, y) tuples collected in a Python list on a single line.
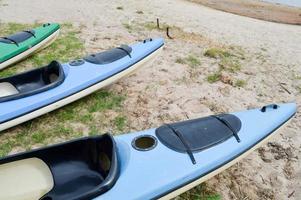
[(226, 123), (126, 51), (30, 32), (179, 135), (9, 39)]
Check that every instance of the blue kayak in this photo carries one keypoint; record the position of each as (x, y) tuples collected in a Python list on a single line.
[(157, 163), (34, 93)]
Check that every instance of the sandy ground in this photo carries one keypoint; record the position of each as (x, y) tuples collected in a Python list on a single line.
[(168, 91), (257, 9)]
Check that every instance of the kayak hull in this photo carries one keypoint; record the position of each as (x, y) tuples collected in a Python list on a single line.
[(79, 94)]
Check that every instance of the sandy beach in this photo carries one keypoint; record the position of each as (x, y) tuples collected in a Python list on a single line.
[(178, 85)]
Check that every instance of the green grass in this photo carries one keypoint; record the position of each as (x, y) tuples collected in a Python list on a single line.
[(190, 60), (229, 59), (240, 83), (105, 100), (67, 46), (231, 65), (120, 122), (5, 148), (217, 53), (212, 78)]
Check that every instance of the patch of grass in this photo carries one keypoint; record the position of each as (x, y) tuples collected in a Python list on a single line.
[(231, 65), (66, 47), (229, 59), (212, 78), (240, 83), (105, 100), (120, 122), (119, 8), (38, 137), (8, 72), (86, 118), (217, 53), (5, 148), (93, 131), (11, 27), (201, 192), (191, 61), (67, 113)]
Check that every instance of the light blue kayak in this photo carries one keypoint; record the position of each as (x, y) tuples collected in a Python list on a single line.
[(151, 164), (31, 94)]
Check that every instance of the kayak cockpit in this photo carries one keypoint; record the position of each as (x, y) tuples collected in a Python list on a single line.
[(80, 169), (31, 82)]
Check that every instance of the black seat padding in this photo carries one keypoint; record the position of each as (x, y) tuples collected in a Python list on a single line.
[(35, 81), (199, 133), (82, 169), (18, 37), (109, 56)]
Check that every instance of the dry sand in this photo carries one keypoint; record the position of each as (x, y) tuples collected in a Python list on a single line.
[(168, 91)]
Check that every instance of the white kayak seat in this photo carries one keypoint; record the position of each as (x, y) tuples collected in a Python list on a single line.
[(7, 89), (27, 179)]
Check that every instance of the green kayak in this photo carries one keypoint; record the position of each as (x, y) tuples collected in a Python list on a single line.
[(16, 47)]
